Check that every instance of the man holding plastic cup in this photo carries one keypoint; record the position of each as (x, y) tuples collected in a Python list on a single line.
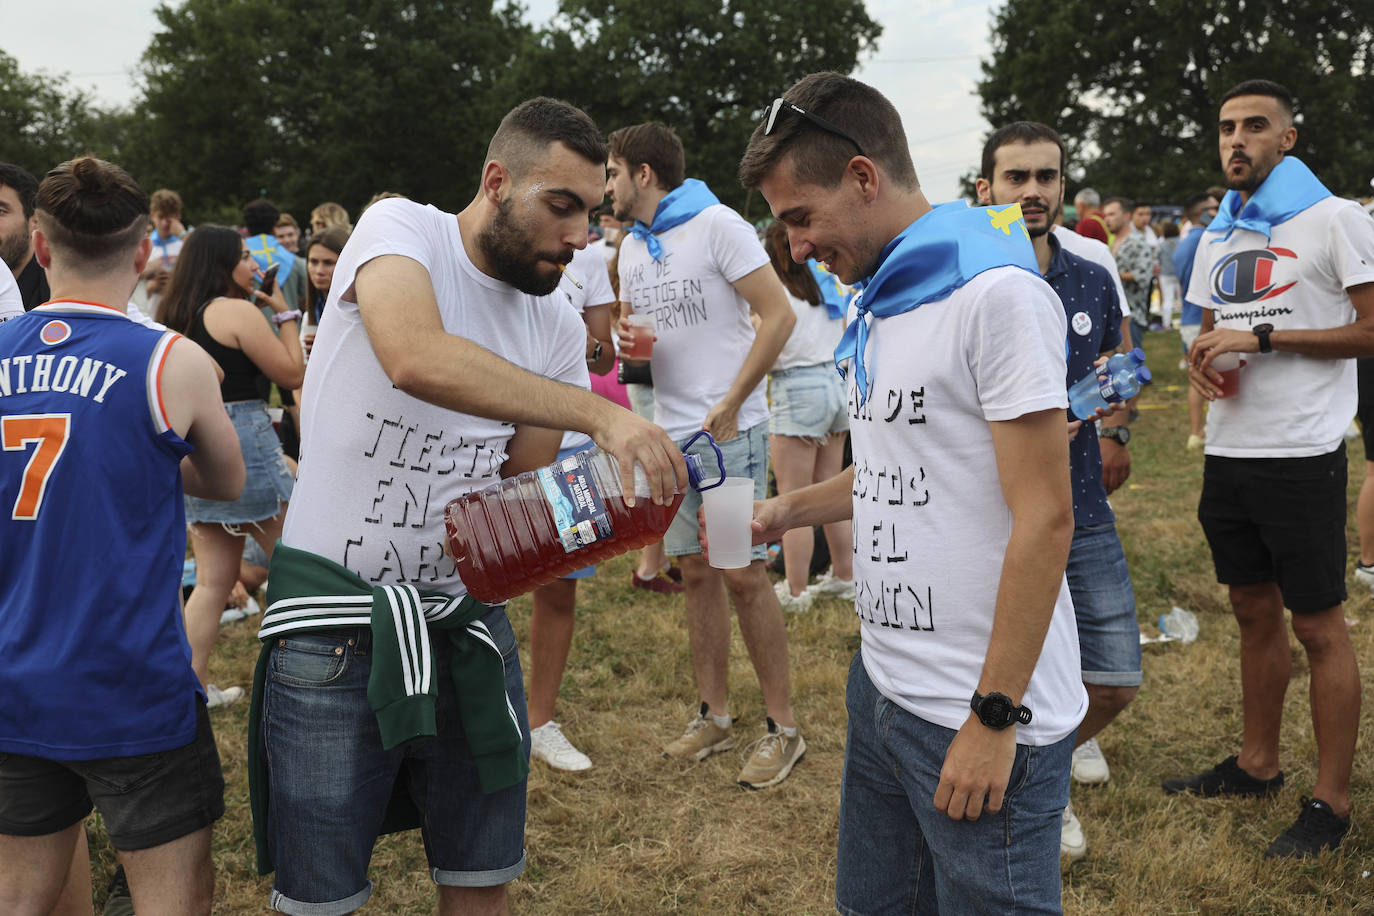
[(1285, 276), (698, 270), (966, 692)]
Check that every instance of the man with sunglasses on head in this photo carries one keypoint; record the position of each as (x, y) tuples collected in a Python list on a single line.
[(699, 270), (965, 694)]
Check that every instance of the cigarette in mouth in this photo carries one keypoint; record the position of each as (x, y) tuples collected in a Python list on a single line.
[(564, 268)]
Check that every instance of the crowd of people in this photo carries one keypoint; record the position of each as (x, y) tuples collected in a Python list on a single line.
[(899, 369)]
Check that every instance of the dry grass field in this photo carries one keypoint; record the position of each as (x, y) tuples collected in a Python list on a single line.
[(641, 835)]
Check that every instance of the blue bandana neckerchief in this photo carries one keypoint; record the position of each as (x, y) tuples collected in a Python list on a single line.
[(266, 250), (681, 204), (928, 261), (833, 295), (1290, 189)]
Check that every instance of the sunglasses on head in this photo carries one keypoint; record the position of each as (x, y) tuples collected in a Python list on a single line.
[(781, 104)]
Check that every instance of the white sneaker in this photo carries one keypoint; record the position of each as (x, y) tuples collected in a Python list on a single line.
[(827, 586), (1364, 575), (793, 604), (1072, 844), (1089, 766), (215, 698), (548, 744)]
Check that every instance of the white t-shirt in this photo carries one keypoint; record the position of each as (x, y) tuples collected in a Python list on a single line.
[(814, 336), (591, 272), (603, 248), (930, 523), (377, 465), (11, 302), (702, 323), (1095, 251), (1289, 405)]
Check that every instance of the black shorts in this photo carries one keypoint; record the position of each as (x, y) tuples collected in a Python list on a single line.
[(145, 800), (1278, 520), (1364, 372)]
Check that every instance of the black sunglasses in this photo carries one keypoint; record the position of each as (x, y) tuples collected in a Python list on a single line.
[(780, 103)]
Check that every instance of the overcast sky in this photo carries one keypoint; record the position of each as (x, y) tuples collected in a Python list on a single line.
[(927, 63)]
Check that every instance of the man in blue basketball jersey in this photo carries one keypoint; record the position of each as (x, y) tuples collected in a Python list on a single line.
[(102, 421)]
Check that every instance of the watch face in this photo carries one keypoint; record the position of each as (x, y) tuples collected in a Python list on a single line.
[(1263, 328), (995, 710)]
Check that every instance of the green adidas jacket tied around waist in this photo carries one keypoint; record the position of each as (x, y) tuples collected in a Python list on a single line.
[(308, 593)]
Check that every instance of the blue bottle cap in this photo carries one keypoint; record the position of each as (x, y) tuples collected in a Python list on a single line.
[(1138, 355), (1143, 375)]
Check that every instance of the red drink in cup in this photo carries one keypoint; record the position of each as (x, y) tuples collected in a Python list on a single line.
[(641, 344), (1229, 365)]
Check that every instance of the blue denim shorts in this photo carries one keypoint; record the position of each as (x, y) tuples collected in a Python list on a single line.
[(1104, 606), (899, 855), (269, 479), (330, 779), (807, 401), (746, 455)]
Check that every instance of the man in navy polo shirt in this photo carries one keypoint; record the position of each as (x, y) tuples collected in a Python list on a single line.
[(1024, 163)]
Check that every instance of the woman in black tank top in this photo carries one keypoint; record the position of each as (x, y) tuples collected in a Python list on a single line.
[(210, 299)]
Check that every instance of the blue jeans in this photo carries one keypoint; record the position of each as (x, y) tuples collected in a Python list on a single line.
[(331, 780), (1104, 606), (899, 855)]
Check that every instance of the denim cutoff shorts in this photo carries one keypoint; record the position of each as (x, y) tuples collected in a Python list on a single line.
[(330, 779), (746, 455), (268, 483), (807, 401), (1104, 607)]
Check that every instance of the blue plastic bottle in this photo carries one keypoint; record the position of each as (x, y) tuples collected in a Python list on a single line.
[(1105, 385)]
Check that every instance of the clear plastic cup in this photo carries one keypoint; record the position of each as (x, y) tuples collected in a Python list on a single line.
[(729, 510), (1229, 365), (641, 344)]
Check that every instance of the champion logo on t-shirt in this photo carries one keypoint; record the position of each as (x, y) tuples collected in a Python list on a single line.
[(54, 332), (1248, 276)]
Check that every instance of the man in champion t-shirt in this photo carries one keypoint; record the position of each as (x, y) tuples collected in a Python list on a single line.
[(1285, 275)]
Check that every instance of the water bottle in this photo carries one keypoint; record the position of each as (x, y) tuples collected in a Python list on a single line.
[(1179, 624), (531, 529), (1109, 384)]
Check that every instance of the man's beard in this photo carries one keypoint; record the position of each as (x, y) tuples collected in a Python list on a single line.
[(14, 249), (1051, 214), (620, 209), (1253, 179), (510, 251)]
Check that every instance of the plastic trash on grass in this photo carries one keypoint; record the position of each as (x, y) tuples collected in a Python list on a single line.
[(1178, 625)]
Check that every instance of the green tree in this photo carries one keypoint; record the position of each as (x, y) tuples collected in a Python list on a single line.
[(1134, 87), (706, 68), (43, 121), (323, 100)]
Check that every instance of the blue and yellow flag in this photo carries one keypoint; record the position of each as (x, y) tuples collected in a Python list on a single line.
[(928, 261)]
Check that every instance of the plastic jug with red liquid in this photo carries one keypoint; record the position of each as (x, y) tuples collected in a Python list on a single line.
[(531, 529)]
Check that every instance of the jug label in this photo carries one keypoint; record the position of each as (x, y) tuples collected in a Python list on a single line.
[(579, 512)]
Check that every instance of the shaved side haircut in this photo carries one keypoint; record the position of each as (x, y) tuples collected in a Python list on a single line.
[(530, 128), (92, 214)]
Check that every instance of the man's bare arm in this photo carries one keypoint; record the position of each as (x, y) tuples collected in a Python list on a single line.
[(1033, 464), (763, 291), (395, 298), (190, 392)]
